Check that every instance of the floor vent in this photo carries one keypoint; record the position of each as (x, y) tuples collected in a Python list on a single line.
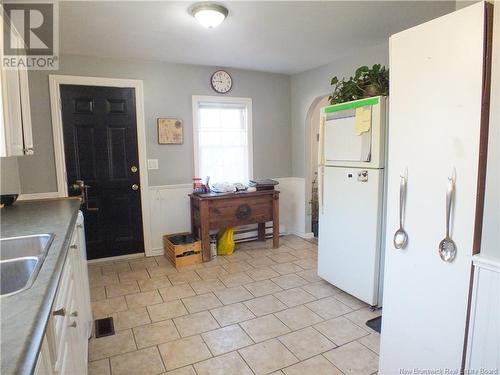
[(104, 327)]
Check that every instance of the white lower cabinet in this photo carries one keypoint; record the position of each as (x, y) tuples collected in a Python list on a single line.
[(65, 347), (44, 363)]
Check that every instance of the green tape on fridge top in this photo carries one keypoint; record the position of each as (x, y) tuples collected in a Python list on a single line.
[(352, 105)]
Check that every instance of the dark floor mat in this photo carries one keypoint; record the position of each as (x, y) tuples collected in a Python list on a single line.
[(375, 323)]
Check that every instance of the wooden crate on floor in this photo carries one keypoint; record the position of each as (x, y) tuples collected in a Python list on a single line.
[(184, 254)]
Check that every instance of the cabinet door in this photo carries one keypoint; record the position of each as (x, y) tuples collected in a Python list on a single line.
[(77, 343), (24, 93), (435, 131), (69, 322), (12, 113), (81, 275), (44, 363), (71, 357), (15, 122)]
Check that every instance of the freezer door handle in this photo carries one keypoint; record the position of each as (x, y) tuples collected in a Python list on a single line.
[(321, 156)]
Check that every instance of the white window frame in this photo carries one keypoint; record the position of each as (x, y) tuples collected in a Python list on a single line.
[(246, 102)]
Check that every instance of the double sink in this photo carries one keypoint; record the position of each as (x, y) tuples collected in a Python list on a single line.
[(20, 261)]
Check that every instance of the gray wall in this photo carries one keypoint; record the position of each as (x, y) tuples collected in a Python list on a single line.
[(311, 84), (167, 93), (464, 3), (9, 176)]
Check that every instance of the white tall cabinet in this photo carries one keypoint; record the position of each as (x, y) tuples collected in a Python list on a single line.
[(16, 137), (437, 75)]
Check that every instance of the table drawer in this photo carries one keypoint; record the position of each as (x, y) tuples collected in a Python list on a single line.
[(240, 214)]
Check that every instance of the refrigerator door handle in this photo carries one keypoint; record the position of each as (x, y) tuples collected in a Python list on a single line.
[(321, 186)]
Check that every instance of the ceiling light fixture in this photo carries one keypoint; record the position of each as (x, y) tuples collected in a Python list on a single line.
[(209, 15)]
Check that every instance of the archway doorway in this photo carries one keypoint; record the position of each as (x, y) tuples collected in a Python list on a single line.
[(312, 147)]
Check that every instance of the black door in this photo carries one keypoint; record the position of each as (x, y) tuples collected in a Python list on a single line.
[(102, 164)]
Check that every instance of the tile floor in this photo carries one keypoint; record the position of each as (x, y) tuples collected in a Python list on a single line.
[(258, 311)]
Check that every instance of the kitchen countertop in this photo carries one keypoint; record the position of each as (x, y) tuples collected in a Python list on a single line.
[(24, 315)]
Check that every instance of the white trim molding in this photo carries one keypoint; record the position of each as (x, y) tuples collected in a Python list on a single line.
[(481, 261), (118, 258), (38, 196), (246, 102), (55, 81), (483, 346)]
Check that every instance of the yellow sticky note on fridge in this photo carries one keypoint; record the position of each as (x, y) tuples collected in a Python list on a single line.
[(363, 119)]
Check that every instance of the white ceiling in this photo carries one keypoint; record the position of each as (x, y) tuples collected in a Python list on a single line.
[(285, 37)]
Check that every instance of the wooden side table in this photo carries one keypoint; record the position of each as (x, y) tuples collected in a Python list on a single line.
[(225, 210)]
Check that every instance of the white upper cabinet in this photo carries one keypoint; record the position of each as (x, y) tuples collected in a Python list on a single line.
[(15, 115)]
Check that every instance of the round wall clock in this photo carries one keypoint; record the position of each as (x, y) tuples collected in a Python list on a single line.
[(221, 81)]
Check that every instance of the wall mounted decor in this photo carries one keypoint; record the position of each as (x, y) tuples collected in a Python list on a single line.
[(170, 131)]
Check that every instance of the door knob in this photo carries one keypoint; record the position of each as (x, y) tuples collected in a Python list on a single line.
[(79, 185), (135, 187), (133, 169)]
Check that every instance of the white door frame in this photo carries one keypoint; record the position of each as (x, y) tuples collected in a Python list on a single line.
[(55, 81)]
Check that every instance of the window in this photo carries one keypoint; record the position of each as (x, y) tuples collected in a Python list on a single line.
[(223, 138)]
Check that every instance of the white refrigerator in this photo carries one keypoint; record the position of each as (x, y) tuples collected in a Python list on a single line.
[(351, 197)]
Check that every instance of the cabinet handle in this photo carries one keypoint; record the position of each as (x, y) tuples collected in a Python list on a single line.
[(60, 312), (72, 325), (79, 225), (73, 247), (74, 313)]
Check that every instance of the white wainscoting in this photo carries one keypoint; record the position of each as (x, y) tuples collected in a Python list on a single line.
[(170, 211), (483, 349), (292, 205)]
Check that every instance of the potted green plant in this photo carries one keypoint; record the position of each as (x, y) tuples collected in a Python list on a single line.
[(365, 83)]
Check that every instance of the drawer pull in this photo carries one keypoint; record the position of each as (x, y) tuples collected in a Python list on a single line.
[(60, 312), (74, 313), (73, 247), (72, 325)]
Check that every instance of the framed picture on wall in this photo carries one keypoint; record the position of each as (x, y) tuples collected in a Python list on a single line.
[(170, 131)]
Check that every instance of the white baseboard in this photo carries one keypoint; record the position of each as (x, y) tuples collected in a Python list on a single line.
[(156, 252), (306, 236), (117, 258)]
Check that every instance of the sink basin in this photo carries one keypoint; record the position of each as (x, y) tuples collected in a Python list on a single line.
[(20, 261), (16, 274), (26, 246)]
